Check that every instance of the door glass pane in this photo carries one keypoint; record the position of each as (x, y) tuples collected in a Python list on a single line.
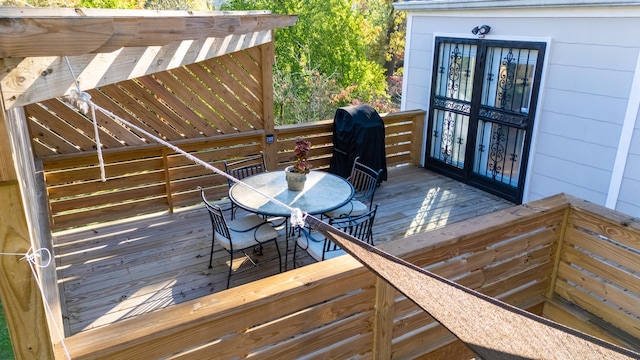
[(454, 78), (499, 152), (453, 88), (508, 78), (449, 137)]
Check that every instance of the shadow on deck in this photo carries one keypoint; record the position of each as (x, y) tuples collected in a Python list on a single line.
[(121, 269)]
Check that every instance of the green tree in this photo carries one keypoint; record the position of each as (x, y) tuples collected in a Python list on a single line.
[(327, 45)]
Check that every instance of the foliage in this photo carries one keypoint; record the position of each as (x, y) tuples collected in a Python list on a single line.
[(301, 149), (338, 53), (6, 350), (328, 58)]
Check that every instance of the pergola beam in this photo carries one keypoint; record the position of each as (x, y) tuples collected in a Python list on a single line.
[(117, 48), (27, 33)]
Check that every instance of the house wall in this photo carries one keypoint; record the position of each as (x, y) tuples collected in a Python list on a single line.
[(585, 93), (629, 200)]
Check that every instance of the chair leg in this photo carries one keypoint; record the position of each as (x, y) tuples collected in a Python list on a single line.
[(230, 269), (295, 247), (211, 255), (275, 241)]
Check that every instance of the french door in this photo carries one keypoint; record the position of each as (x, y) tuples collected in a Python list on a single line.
[(483, 102)]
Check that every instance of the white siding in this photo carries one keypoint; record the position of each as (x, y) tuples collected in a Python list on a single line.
[(629, 199), (588, 77)]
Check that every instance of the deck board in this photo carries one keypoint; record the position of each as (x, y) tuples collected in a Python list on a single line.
[(121, 269)]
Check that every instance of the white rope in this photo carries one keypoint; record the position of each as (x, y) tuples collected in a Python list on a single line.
[(297, 216), (32, 258), (82, 100)]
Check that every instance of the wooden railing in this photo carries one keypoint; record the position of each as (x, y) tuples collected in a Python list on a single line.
[(150, 178), (596, 283), (337, 308)]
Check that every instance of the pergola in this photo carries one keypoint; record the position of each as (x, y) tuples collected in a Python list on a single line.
[(143, 62)]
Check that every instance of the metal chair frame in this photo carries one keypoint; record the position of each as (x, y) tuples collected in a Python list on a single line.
[(240, 169), (365, 181), (360, 227), (221, 227)]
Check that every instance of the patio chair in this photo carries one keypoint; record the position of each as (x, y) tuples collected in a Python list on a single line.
[(365, 182), (321, 248), (239, 235), (240, 169)]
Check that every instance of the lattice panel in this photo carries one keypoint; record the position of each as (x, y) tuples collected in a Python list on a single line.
[(218, 96)]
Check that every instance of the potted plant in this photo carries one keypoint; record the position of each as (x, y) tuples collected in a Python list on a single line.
[(296, 174)]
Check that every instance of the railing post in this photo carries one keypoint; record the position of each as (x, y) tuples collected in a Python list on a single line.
[(22, 300), (383, 319), (416, 141), (558, 252), (167, 179), (267, 60)]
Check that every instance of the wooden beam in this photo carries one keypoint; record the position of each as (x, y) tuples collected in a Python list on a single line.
[(28, 80), (267, 59), (21, 298), (75, 32), (383, 320), (7, 170)]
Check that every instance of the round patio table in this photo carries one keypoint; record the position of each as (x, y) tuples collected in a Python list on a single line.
[(322, 192)]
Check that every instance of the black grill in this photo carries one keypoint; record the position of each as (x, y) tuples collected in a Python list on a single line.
[(358, 131)]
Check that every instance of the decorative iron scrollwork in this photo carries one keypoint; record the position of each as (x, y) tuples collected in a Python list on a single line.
[(454, 72), (505, 118), (452, 105), (496, 151), (506, 80), (446, 146)]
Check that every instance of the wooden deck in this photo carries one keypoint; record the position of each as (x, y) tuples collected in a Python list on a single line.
[(121, 269)]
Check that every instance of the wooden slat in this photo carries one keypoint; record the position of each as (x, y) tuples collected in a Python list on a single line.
[(599, 288), (109, 198), (239, 83), (175, 103), (626, 322), (195, 97), (110, 212), (315, 319), (66, 161), (142, 118), (224, 320), (565, 313), (50, 139), (251, 64), (57, 126), (84, 133), (112, 170), (609, 228), (234, 68), (97, 185), (228, 91), (606, 269), (322, 338), (162, 112), (616, 254), (226, 117), (159, 118)]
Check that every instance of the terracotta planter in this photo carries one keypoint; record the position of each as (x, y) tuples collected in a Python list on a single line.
[(295, 180)]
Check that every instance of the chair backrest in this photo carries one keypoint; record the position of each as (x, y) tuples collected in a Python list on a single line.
[(217, 218), (357, 226), (248, 166), (364, 180)]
